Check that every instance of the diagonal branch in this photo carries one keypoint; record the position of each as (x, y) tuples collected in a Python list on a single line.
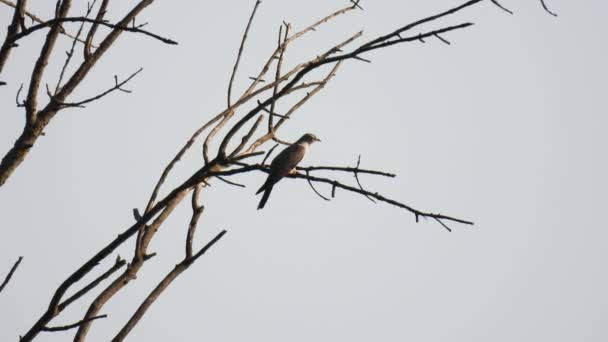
[(547, 8), (336, 184), (117, 265), (10, 273), (241, 47), (12, 31), (88, 43), (118, 26), (72, 326), (161, 287), (313, 187), (117, 86)]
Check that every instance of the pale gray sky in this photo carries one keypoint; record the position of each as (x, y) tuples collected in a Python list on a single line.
[(505, 127)]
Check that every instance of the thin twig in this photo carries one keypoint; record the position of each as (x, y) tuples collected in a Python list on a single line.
[(161, 287), (241, 47), (356, 173), (495, 2), (269, 153), (39, 20), (313, 188), (547, 8), (54, 21), (345, 169), (230, 182), (71, 52), (118, 264), (117, 86), (72, 326), (10, 273), (417, 213), (88, 42)]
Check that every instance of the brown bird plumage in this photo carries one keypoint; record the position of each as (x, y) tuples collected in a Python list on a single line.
[(284, 163)]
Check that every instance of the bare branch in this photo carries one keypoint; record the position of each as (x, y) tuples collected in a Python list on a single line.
[(197, 210), (36, 19), (12, 31), (417, 213), (442, 39), (248, 136), (71, 52), (547, 8), (241, 47), (117, 86), (55, 21), (161, 287), (495, 2), (345, 169), (89, 39), (356, 173), (282, 46), (117, 265), (10, 273), (177, 158), (313, 188), (72, 326), (269, 153), (31, 102), (230, 182), (318, 23)]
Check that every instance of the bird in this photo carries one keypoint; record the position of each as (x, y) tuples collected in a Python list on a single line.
[(284, 163)]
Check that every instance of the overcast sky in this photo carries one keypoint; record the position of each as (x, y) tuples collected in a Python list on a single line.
[(506, 127)]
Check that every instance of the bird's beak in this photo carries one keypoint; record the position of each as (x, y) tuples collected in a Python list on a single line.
[(317, 139)]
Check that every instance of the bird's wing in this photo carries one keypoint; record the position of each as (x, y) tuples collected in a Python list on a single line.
[(287, 160)]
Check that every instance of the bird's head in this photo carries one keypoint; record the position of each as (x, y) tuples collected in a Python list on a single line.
[(309, 138)]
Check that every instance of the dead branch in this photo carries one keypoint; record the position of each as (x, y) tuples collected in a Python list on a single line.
[(224, 163), (117, 86), (164, 284), (121, 27), (10, 273), (71, 52), (117, 265), (495, 2), (334, 183), (38, 119), (547, 8), (238, 57), (13, 30), (37, 19), (72, 326), (101, 12)]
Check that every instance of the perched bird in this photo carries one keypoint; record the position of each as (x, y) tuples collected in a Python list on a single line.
[(285, 163)]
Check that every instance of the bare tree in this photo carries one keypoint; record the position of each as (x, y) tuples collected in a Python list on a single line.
[(238, 148), (38, 117)]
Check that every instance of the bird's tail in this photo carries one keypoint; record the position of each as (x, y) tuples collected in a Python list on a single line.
[(264, 196), (264, 186)]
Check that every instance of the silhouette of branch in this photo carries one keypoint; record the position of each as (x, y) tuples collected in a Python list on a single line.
[(495, 2), (241, 47), (52, 22), (88, 43), (10, 273), (117, 265), (356, 173), (117, 86), (547, 8), (313, 188), (13, 30), (72, 326), (163, 285), (39, 20), (71, 52), (334, 183)]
